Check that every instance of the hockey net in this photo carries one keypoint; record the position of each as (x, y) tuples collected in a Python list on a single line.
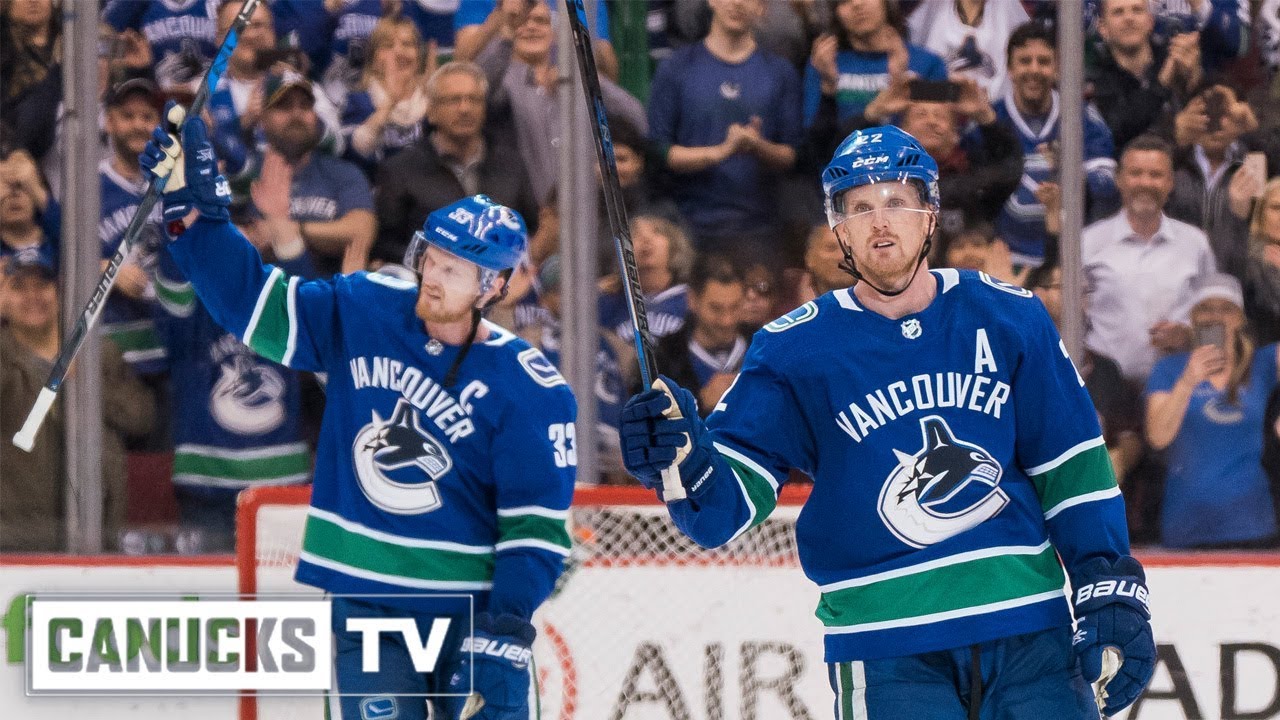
[(644, 624)]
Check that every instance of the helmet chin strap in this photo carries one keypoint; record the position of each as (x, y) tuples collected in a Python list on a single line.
[(848, 265)]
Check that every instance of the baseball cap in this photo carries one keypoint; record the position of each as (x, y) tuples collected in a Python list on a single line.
[(32, 258), (1217, 286), (120, 92), (275, 85)]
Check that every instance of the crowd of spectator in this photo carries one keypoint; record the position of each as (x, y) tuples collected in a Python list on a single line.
[(342, 123)]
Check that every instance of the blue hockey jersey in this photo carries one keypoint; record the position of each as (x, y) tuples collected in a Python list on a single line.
[(955, 455), (180, 32), (418, 488), (1021, 220), (130, 322), (236, 416)]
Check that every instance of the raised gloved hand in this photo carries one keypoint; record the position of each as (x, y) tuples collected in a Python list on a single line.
[(496, 656), (1111, 612), (661, 427), (189, 168)]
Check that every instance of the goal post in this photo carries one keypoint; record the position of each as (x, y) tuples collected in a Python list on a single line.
[(642, 624)]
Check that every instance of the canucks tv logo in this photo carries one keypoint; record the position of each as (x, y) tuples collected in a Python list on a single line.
[(945, 488), (398, 461)]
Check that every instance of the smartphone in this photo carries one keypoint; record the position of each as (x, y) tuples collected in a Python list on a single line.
[(1215, 106), (1215, 334), (933, 91)]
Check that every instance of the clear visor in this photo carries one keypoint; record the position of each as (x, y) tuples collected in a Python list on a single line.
[(418, 248), (865, 204)]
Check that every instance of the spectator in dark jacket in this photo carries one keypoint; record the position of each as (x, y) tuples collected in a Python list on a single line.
[(1138, 77), (454, 160), (31, 72)]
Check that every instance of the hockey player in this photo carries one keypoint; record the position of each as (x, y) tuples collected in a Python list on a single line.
[(955, 456), (412, 496)]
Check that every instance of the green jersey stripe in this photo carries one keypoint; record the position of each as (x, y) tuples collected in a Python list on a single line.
[(268, 329), (130, 337), (759, 488), (961, 586), (1064, 457), (958, 558), (261, 468), (327, 540), (989, 609), (1088, 471), (177, 298), (358, 529), (552, 531), (1080, 500), (846, 691), (360, 572)]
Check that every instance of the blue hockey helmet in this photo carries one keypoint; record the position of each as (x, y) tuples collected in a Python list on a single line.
[(476, 229), (876, 155)]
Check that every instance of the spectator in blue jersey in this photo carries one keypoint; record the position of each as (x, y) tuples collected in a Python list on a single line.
[(455, 159), (132, 110), (1030, 110), (523, 82), (970, 36), (235, 105), (725, 114), (29, 216), (663, 260), (236, 417), (867, 50), (1205, 409), (434, 20), (706, 354), (384, 114), (478, 22), (1139, 78), (299, 25), (33, 483), (352, 22), (302, 193), (1141, 265), (1210, 154), (180, 32), (31, 72), (925, 505)]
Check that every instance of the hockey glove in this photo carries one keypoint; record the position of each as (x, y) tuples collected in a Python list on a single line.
[(191, 178), (1111, 612), (496, 657), (661, 427)]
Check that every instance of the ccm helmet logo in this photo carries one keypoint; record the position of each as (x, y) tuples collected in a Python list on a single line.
[(1107, 588), (868, 162)]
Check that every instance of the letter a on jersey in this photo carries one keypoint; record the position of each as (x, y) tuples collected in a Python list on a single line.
[(945, 488), (398, 461)]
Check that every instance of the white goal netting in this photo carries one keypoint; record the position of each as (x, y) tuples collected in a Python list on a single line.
[(643, 624)]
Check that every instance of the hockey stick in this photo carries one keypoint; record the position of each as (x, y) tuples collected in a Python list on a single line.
[(26, 437), (617, 212)]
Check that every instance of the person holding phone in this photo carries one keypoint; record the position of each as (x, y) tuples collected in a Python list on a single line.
[(1205, 410)]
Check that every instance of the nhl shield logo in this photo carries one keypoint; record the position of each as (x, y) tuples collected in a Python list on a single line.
[(398, 461), (945, 488), (911, 329)]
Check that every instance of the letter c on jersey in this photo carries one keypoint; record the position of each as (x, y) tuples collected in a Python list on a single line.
[(392, 456)]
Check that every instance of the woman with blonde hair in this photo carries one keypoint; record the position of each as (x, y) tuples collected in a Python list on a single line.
[(1262, 267), (1205, 409), (664, 257), (385, 113)]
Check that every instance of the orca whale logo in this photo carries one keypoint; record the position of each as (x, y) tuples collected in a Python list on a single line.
[(945, 488), (398, 461)]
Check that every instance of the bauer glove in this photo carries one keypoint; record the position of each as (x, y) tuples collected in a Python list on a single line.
[(496, 657), (1111, 612), (188, 168), (661, 428)]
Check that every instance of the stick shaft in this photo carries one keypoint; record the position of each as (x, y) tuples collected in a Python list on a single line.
[(614, 207), (88, 319)]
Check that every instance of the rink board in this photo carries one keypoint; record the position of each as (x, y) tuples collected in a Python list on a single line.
[(1217, 619)]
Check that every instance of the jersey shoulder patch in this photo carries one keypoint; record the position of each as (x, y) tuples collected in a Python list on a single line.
[(540, 368), (802, 314), (1005, 287)]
